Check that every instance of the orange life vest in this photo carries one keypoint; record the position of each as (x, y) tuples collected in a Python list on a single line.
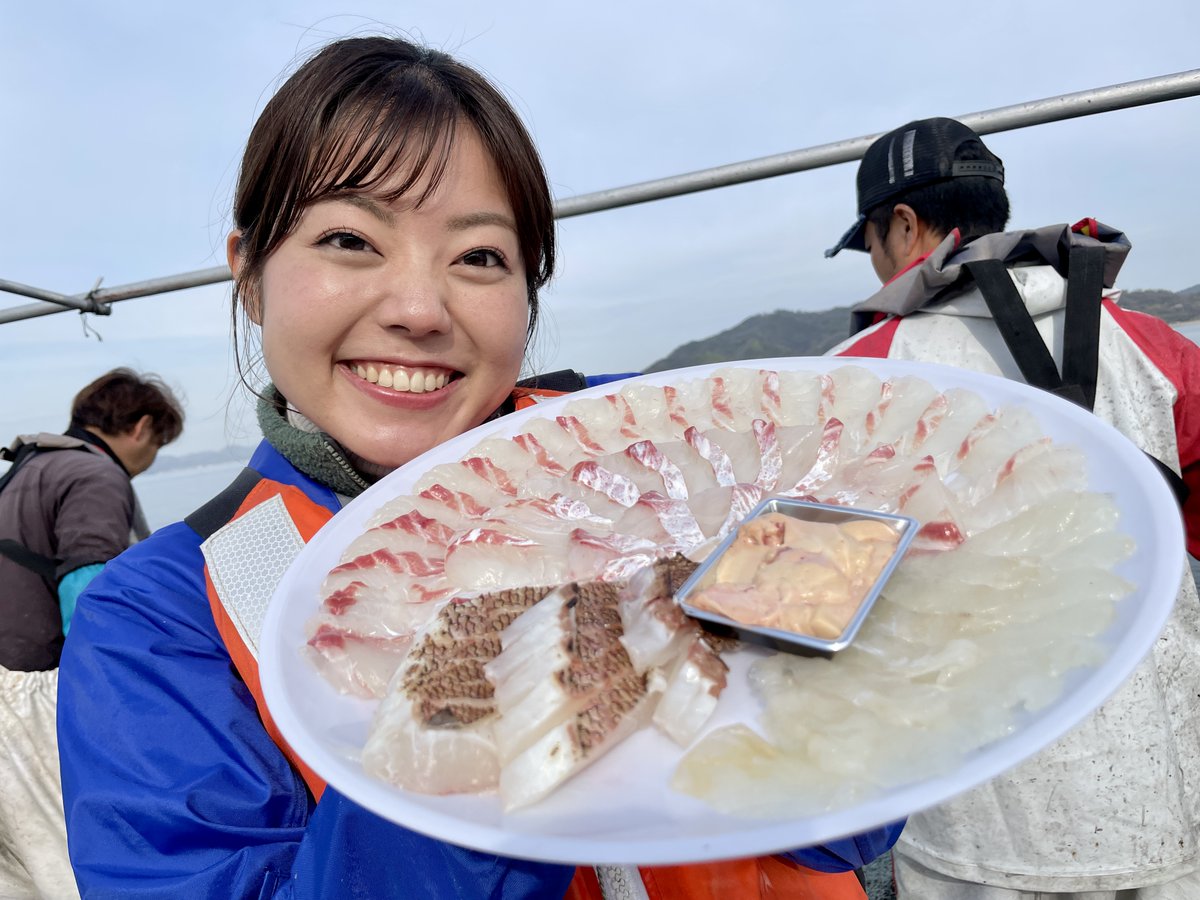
[(745, 879)]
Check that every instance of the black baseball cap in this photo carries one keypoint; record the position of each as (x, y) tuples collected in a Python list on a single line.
[(915, 154)]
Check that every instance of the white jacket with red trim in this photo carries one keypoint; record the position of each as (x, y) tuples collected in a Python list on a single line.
[(1115, 804)]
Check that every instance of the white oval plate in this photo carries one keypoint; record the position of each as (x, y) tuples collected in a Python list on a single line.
[(621, 809)]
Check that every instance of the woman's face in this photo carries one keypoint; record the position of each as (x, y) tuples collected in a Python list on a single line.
[(395, 328)]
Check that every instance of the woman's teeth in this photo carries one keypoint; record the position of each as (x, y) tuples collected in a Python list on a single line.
[(413, 381)]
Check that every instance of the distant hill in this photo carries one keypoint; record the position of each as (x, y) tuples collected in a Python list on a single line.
[(788, 333), (167, 462)]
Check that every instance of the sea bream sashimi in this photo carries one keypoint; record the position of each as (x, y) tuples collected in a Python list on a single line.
[(433, 731), (563, 719)]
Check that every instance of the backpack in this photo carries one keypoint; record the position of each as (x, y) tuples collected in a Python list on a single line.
[(18, 454)]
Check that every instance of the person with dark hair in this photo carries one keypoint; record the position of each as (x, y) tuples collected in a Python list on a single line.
[(392, 229), (1112, 809), (66, 508)]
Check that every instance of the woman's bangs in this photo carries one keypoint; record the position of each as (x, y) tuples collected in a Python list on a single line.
[(385, 151)]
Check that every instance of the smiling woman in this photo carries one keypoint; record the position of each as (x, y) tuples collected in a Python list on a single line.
[(392, 228)]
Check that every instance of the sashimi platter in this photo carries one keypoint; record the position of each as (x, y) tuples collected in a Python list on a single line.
[(486, 647)]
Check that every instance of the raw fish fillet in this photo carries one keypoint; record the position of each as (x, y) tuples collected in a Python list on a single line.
[(433, 731)]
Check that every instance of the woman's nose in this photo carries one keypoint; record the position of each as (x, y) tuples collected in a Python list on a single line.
[(413, 299)]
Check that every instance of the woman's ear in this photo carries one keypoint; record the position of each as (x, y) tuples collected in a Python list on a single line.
[(247, 293)]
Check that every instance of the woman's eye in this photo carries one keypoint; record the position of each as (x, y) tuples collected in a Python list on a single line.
[(483, 257), (344, 240)]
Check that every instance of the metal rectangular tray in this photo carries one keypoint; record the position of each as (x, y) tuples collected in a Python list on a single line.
[(791, 641)]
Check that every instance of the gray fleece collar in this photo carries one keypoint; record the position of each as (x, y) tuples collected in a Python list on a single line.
[(314, 453)]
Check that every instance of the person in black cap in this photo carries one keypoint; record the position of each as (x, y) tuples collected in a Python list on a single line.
[(1112, 809), (925, 179)]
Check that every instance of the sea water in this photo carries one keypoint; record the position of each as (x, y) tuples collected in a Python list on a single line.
[(169, 496)]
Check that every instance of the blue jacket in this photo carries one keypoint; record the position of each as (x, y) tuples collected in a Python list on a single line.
[(172, 787)]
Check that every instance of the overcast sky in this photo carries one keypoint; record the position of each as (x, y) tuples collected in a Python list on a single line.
[(123, 126)]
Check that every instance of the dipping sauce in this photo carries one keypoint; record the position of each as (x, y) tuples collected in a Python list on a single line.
[(797, 575)]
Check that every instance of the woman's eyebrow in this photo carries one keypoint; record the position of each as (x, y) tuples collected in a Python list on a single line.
[(475, 220), (370, 205)]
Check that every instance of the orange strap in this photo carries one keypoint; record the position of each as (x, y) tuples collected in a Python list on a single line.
[(308, 518), (763, 877), (523, 398)]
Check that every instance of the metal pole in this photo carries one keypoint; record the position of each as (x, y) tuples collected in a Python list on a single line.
[(1005, 118), (80, 303), (104, 296)]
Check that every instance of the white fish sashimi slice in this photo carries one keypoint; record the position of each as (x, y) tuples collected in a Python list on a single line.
[(987, 449), (770, 454), (611, 556), (411, 532), (690, 692), (742, 499), (647, 455), (655, 630), (402, 751), (798, 445), (585, 483), (556, 442), (852, 393), (456, 508), (934, 507), (485, 483), (799, 399), (710, 452), (594, 440), (575, 743), (740, 448), (945, 424), (610, 419), (649, 405), (1060, 521), (616, 488), (689, 404), (568, 718), (365, 612), (355, 665), (1024, 480), (488, 559), (828, 458), (898, 415), (669, 523), (750, 394), (433, 732), (541, 456), (383, 571), (876, 481), (547, 518)]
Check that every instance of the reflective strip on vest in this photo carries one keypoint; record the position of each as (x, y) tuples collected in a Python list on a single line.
[(244, 561)]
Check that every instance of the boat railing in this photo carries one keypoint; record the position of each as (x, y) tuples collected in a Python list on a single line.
[(1129, 94)]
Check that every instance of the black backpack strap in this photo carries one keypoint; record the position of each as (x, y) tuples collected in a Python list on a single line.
[(40, 565), (1016, 326), (218, 511), (566, 380), (1081, 329), (1081, 334)]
